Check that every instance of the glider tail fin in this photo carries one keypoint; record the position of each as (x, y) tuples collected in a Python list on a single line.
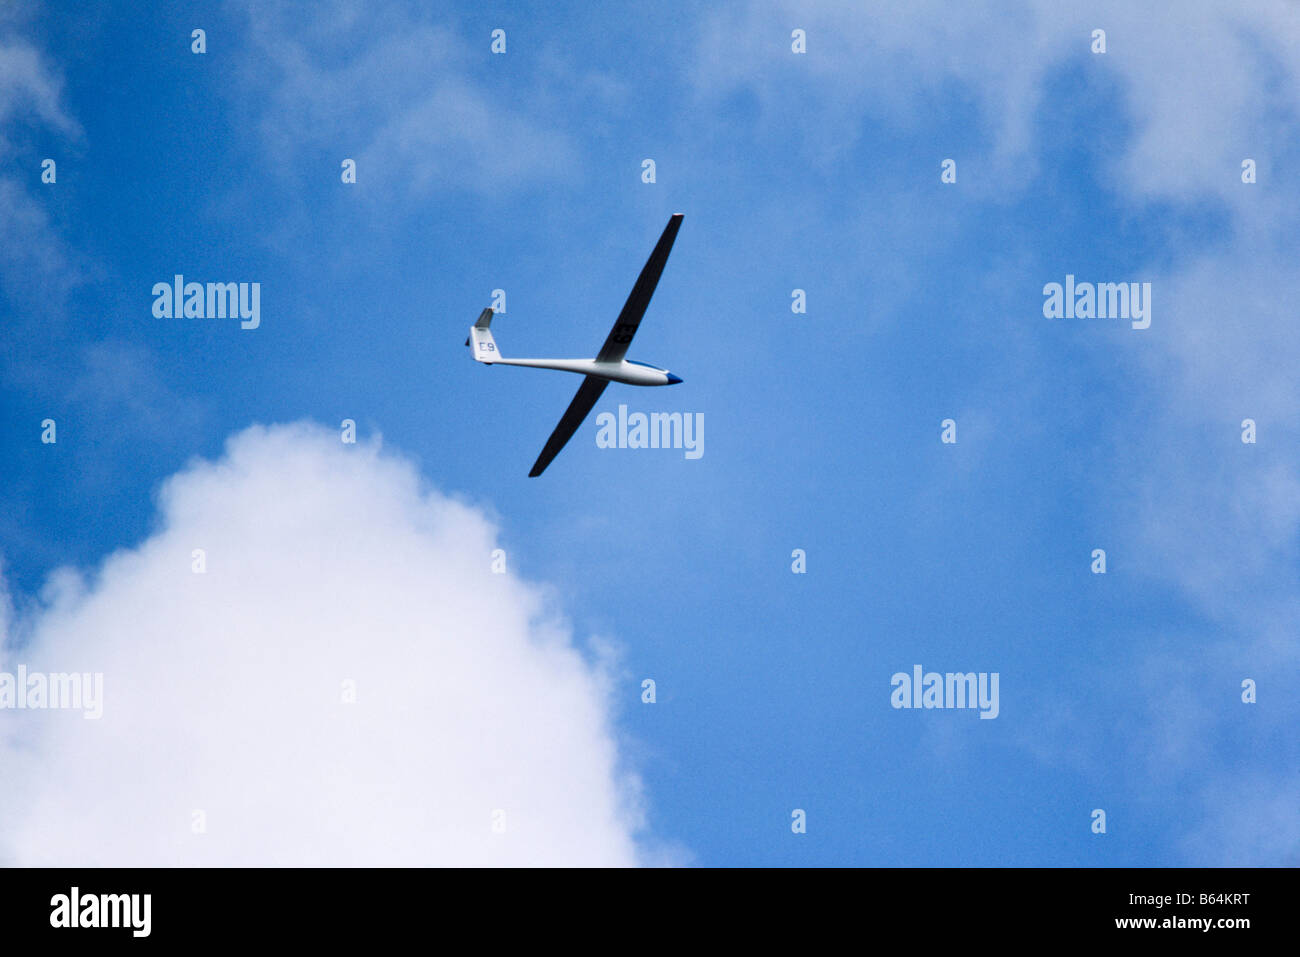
[(480, 338)]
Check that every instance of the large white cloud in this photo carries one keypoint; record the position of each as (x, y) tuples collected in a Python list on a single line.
[(223, 691)]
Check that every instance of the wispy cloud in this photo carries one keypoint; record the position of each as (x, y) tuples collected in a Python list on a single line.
[(31, 88), (987, 61), (35, 264), (1192, 89), (397, 92)]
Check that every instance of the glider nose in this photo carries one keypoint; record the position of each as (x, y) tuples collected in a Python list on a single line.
[(672, 379)]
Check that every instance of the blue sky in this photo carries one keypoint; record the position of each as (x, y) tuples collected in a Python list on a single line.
[(820, 172)]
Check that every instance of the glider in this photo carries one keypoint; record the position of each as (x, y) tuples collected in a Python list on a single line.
[(609, 364)]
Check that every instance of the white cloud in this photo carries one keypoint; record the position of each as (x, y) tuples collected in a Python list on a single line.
[(34, 263), (405, 96), (1199, 80), (1250, 818), (28, 86), (222, 691), (1199, 86)]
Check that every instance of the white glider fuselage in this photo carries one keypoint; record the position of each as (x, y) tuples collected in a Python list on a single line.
[(608, 366), (625, 370)]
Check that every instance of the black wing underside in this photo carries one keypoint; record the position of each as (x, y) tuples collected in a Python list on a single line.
[(588, 395), (615, 347), (629, 320)]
